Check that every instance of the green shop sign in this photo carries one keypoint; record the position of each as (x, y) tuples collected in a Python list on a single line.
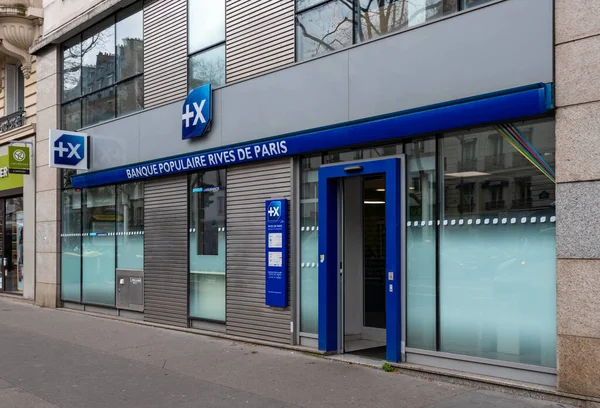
[(8, 181), (18, 159)]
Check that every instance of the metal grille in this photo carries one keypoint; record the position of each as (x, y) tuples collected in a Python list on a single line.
[(247, 189), (165, 52), (260, 36), (166, 251)]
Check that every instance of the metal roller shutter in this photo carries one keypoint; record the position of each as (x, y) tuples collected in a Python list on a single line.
[(247, 189), (166, 251)]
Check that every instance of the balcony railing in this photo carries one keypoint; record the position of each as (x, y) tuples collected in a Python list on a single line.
[(12, 121), (495, 162)]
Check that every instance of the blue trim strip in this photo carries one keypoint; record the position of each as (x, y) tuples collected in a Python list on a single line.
[(491, 108)]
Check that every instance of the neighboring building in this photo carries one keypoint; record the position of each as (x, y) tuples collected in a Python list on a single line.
[(418, 143), (20, 23)]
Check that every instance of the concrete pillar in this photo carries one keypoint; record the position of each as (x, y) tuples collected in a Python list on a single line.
[(577, 79), (47, 255)]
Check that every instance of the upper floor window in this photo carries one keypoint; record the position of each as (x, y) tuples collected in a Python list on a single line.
[(323, 26), (206, 42), (15, 89), (102, 70)]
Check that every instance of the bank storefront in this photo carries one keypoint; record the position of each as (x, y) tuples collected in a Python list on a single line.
[(424, 236)]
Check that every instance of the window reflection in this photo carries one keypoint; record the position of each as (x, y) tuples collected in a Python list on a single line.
[(130, 96), (97, 62), (71, 69), (130, 46), (323, 29), (375, 18), (206, 22), (473, 3), (99, 107), (98, 58), (208, 67), (497, 248)]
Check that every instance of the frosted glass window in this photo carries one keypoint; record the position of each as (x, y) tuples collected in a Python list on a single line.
[(309, 245), (207, 244), (98, 245), (497, 248), (130, 226), (70, 238), (421, 238)]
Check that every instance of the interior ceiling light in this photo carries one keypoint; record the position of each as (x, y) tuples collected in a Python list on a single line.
[(374, 202)]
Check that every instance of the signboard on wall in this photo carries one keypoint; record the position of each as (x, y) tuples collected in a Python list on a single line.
[(276, 259), (18, 159), (197, 112), (68, 150)]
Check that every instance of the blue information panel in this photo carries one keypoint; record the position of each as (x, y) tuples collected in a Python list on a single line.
[(276, 262)]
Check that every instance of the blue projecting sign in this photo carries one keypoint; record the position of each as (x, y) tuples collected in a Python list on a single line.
[(68, 150), (276, 259), (197, 112)]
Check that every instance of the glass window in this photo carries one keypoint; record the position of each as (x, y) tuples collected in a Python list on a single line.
[(70, 238), (98, 57), (130, 226), (71, 115), (309, 244), (323, 29), (207, 243), (498, 245), (98, 245), (473, 3), (130, 96), (130, 44), (105, 61), (206, 24), (421, 214), (381, 17), (208, 67), (71, 70), (99, 107)]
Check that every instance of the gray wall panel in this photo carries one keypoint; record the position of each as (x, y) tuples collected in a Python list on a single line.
[(301, 97), (445, 61), (166, 251), (165, 51), (468, 54), (247, 189)]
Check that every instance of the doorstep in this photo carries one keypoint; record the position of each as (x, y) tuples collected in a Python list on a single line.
[(431, 373)]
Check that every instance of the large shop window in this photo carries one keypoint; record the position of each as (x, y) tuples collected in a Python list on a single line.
[(102, 230), (206, 43), (207, 243), (325, 26), (480, 241), (497, 259), (102, 70)]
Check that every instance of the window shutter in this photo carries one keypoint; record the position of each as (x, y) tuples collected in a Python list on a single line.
[(11, 89)]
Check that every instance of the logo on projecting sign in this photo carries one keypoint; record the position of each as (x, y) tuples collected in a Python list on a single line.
[(274, 211), (196, 113), (69, 150)]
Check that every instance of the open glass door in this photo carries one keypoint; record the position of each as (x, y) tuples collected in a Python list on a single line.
[(360, 257)]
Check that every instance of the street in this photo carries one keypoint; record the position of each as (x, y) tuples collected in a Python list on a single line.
[(56, 358)]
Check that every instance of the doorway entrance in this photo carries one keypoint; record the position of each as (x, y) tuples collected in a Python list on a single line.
[(360, 257), (11, 244)]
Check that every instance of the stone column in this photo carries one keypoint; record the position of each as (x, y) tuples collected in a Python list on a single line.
[(47, 257), (577, 79)]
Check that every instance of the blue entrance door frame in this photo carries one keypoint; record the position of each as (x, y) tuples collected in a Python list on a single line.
[(329, 264)]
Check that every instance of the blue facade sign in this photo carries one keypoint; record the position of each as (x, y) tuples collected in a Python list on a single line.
[(276, 259), (68, 150), (512, 104), (197, 112)]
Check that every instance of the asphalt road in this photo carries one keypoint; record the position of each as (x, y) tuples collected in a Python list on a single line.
[(53, 358)]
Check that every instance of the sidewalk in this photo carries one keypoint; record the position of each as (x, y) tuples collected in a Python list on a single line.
[(53, 358)]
